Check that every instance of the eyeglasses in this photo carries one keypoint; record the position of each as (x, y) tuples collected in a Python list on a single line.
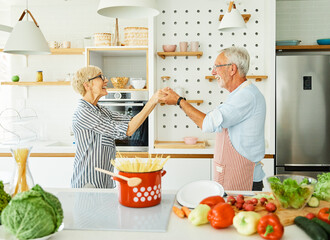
[(98, 76), (222, 65)]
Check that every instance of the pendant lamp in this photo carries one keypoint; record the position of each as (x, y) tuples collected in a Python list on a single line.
[(232, 20), (26, 38), (128, 8)]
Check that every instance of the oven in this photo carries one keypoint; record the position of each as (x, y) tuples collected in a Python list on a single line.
[(129, 103)]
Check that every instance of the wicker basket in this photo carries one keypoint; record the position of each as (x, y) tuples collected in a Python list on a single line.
[(136, 36), (102, 39)]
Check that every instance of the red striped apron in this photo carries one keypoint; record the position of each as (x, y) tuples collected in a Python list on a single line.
[(231, 169)]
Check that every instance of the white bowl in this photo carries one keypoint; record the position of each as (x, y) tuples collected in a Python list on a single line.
[(138, 84)]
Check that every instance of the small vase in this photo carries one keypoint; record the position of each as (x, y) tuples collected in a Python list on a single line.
[(22, 179)]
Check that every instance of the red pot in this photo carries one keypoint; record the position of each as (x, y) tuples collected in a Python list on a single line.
[(146, 194)]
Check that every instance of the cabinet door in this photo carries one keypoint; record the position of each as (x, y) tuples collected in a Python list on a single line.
[(52, 172), (7, 167), (180, 171), (269, 171)]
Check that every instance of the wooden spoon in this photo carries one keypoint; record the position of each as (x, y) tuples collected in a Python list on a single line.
[(132, 182)]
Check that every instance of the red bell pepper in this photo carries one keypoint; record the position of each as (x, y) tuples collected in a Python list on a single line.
[(270, 227), (212, 201), (221, 215), (324, 215)]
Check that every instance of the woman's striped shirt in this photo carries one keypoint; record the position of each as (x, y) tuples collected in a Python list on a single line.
[(95, 129)]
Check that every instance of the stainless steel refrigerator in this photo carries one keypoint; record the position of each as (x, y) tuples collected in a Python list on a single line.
[(302, 113)]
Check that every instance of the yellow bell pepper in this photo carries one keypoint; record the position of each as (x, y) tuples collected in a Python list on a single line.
[(246, 222), (198, 216)]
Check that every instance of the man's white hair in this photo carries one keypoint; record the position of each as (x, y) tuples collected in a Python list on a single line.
[(238, 56)]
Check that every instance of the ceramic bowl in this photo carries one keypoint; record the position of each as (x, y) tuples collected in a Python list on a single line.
[(292, 191), (190, 140), (325, 41), (119, 82), (138, 84), (169, 48)]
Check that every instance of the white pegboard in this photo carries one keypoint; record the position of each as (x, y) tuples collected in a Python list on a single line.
[(195, 21)]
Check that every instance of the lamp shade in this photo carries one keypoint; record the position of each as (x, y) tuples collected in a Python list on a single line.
[(26, 38), (128, 8), (232, 20)]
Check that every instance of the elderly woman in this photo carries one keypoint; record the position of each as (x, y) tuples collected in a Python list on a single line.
[(95, 129)]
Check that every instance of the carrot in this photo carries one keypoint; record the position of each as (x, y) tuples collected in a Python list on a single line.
[(186, 211), (178, 212)]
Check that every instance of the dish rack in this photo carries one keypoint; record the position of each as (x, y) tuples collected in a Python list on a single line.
[(15, 128)]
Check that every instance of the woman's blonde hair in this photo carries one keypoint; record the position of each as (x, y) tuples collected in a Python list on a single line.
[(82, 76)]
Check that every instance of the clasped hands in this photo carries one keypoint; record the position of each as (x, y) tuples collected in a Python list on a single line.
[(166, 95)]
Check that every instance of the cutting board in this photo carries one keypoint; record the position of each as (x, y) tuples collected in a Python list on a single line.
[(287, 216), (102, 211)]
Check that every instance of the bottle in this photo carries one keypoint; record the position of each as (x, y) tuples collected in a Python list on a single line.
[(39, 76)]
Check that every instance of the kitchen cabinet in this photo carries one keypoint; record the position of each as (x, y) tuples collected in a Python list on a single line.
[(47, 172), (269, 171), (120, 62), (51, 172), (180, 171)]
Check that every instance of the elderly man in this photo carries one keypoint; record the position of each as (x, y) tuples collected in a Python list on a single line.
[(238, 123)]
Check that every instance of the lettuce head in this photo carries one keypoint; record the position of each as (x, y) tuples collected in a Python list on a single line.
[(322, 187), (32, 214)]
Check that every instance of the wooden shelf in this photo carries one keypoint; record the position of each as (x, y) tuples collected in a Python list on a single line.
[(163, 55), (65, 51), (198, 102), (304, 48), (257, 78), (36, 83)]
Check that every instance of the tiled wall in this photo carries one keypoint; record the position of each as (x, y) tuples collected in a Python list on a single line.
[(303, 20)]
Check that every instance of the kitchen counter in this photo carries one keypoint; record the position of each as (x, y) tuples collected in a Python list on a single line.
[(177, 229), (64, 149)]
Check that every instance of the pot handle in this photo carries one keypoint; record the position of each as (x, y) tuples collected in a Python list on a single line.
[(163, 172), (119, 180)]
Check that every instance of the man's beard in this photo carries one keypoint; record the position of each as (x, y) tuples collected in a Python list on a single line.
[(220, 81)]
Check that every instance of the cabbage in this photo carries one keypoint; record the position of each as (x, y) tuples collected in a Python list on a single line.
[(322, 187), (32, 214)]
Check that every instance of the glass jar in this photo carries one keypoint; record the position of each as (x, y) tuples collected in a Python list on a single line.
[(39, 76), (22, 179)]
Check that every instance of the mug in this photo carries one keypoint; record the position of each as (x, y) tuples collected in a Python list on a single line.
[(66, 44), (53, 44), (194, 46), (183, 46)]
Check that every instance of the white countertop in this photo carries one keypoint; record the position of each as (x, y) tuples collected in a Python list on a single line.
[(177, 229), (65, 147)]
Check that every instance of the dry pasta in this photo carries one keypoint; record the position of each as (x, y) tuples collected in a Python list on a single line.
[(139, 165), (21, 155)]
